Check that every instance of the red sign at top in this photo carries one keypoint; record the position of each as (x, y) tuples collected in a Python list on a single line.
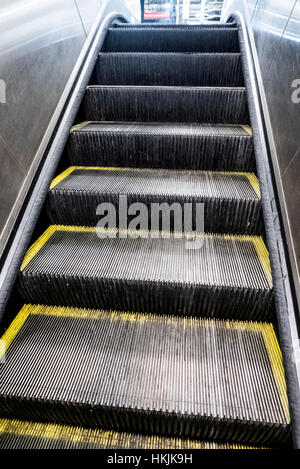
[(149, 15)]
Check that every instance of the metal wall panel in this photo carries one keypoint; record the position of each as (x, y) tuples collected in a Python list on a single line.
[(88, 11), (268, 22), (276, 30), (40, 43)]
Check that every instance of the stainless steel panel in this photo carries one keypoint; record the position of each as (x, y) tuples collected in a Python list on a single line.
[(285, 115), (88, 11), (290, 180), (40, 42), (41, 45), (269, 22)]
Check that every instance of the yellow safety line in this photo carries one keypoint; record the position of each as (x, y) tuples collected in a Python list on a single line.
[(254, 182), (250, 176), (84, 313), (81, 125), (15, 327), (62, 176), (107, 438), (263, 255), (37, 245), (247, 128), (131, 316), (275, 358)]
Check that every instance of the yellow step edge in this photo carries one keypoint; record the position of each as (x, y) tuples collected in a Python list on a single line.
[(250, 176), (83, 124), (248, 129), (104, 438), (275, 357), (14, 328)]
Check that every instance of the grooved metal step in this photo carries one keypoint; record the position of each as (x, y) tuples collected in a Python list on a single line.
[(231, 200), (210, 25), (162, 145), (171, 40), (18, 434), (218, 105), (129, 372), (172, 69), (210, 276)]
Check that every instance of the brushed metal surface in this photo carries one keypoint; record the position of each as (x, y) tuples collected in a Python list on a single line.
[(269, 21), (285, 115), (88, 11), (41, 43)]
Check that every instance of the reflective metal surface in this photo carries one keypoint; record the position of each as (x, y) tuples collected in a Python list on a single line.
[(88, 11), (41, 41), (276, 32)]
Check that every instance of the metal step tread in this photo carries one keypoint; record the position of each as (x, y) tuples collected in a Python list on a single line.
[(203, 39), (160, 182), (219, 105), (216, 25), (19, 434), (231, 200), (128, 371), (162, 145), (165, 128), (172, 69), (145, 271)]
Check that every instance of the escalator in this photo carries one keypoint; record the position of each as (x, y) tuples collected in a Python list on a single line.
[(135, 341)]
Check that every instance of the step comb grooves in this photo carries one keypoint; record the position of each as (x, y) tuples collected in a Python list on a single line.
[(161, 145), (231, 200), (219, 105), (171, 40), (169, 69), (219, 276), (216, 26), (150, 390)]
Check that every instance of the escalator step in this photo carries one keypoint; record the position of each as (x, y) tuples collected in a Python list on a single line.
[(129, 372), (211, 275), (162, 145), (18, 434), (218, 105), (210, 25), (180, 39), (231, 200), (142, 69)]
